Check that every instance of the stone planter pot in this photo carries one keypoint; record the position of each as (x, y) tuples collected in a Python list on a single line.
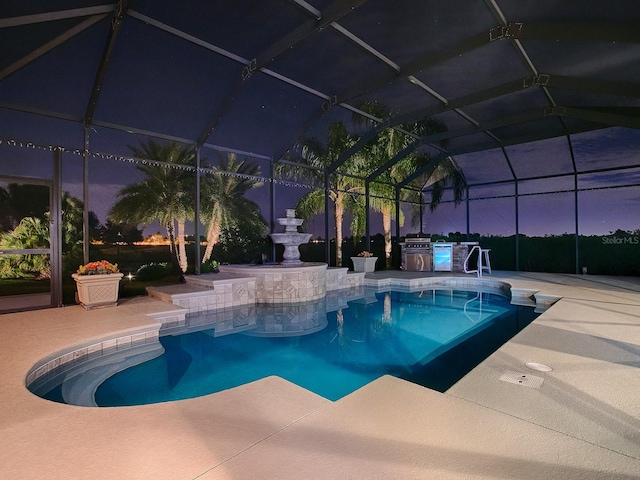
[(98, 291), (364, 264)]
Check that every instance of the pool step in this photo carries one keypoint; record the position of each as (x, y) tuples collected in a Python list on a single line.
[(533, 298), (207, 292)]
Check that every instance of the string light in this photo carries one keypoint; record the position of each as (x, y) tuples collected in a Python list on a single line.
[(213, 171), (148, 162)]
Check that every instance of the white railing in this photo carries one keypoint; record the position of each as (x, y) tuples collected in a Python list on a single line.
[(483, 265)]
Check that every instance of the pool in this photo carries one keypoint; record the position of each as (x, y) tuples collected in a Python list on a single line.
[(429, 337)]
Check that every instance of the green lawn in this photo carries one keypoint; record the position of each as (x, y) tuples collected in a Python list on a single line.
[(21, 286)]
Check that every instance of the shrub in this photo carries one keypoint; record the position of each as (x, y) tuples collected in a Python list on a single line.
[(209, 266), (154, 271)]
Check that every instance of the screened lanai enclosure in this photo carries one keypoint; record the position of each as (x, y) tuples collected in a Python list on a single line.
[(515, 123)]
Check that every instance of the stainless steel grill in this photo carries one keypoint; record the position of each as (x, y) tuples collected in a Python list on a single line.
[(416, 254)]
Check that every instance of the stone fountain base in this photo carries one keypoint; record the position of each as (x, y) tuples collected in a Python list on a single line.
[(284, 283)]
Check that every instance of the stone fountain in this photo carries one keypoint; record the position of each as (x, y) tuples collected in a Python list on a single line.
[(291, 238), (289, 282), (292, 280)]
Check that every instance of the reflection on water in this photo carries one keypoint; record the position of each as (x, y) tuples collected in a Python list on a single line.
[(266, 320), (289, 320)]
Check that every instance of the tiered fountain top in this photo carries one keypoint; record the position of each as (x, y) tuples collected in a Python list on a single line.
[(290, 222), (291, 239)]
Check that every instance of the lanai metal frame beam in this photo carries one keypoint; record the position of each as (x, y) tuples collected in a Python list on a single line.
[(523, 117), (512, 31), (308, 28), (121, 8), (50, 45), (602, 118), (623, 89), (54, 16)]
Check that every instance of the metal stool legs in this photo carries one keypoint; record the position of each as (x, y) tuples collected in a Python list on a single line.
[(484, 263)]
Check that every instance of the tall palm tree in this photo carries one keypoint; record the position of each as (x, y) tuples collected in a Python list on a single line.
[(446, 174), (342, 189), (384, 147), (223, 203), (165, 194)]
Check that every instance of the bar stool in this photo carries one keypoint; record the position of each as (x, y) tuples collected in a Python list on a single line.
[(484, 263)]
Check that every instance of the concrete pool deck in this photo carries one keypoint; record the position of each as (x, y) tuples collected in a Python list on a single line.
[(583, 422)]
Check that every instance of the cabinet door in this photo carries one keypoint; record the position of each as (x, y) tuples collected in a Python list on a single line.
[(418, 262)]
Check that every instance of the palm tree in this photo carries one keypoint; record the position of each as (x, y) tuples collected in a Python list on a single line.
[(223, 202), (446, 174), (384, 147), (343, 190), (166, 193)]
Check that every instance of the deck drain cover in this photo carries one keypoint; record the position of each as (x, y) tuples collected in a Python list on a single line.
[(523, 379)]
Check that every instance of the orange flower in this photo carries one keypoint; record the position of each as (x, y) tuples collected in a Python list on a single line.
[(98, 268)]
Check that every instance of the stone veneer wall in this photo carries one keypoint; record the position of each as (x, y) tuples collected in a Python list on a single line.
[(284, 284), (207, 292), (335, 278), (471, 283), (290, 287), (338, 278), (458, 255), (221, 295)]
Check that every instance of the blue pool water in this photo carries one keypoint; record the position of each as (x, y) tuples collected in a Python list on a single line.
[(431, 338)]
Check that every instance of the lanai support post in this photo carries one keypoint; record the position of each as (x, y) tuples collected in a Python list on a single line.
[(327, 240), (367, 237), (272, 206), (55, 231), (394, 247), (85, 198), (575, 201), (196, 232)]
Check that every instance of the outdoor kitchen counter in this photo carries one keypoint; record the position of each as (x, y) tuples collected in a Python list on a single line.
[(421, 254)]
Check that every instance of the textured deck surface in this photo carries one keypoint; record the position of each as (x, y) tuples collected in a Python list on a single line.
[(582, 423)]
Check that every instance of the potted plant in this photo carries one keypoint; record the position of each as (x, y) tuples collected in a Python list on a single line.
[(98, 284), (364, 262)]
